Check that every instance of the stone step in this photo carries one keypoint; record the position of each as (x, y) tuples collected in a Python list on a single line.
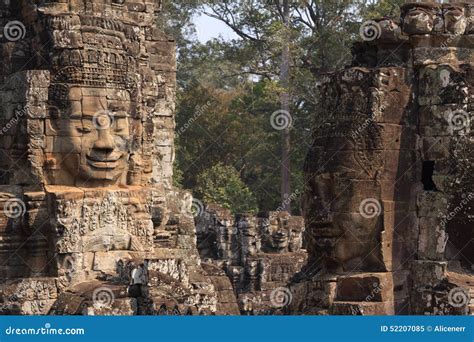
[(362, 308)]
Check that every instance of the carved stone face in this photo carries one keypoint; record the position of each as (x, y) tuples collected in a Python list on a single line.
[(455, 21), (280, 233), (418, 19), (97, 136), (276, 237), (345, 170), (249, 238), (296, 238), (342, 235)]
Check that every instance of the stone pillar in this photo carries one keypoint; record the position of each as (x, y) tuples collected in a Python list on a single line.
[(389, 155), (92, 223)]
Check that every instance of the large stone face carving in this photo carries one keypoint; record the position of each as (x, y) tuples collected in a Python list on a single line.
[(351, 167), (388, 200), (92, 224), (94, 147)]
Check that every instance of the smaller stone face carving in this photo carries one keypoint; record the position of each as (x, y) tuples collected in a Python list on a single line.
[(279, 233), (454, 19), (249, 239), (258, 253), (275, 237), (419, 18)]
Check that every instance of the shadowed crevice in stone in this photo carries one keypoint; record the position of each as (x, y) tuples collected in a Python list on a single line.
[(427, 176)]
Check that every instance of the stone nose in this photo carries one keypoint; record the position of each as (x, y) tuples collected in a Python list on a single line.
[(105, 140)]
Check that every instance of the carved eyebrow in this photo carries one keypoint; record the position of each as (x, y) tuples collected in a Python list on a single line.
[(90, 116), (118, 106), (121, 115), (75, 116)]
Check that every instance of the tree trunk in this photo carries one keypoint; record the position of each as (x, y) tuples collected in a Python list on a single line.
[(285, 108)]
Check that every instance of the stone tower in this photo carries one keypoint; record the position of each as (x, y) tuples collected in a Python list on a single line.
[(389, 203), (91, 223)]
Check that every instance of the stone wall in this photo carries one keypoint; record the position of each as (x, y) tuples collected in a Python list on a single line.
[(261, 254), (91, 222), (388, 205)]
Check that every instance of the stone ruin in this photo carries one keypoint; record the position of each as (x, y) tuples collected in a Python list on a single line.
[(389, 205), (91, 222), (260, 254)]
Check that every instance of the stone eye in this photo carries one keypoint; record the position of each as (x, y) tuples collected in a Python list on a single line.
[(84, 130)]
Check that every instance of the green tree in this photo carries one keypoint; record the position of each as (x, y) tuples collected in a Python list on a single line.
[(222, 184), (238, 84)]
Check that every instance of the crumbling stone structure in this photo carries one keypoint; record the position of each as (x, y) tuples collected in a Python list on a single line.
[(91, 222), (261, 254), (389, 208)]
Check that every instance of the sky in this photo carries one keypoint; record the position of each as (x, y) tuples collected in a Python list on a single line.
[(208, 28)]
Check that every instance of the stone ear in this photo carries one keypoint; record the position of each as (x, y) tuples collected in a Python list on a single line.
[(54, 113)]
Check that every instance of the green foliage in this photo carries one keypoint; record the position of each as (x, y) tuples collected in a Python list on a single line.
[(228, 90), (382, 8), (222, 184)]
